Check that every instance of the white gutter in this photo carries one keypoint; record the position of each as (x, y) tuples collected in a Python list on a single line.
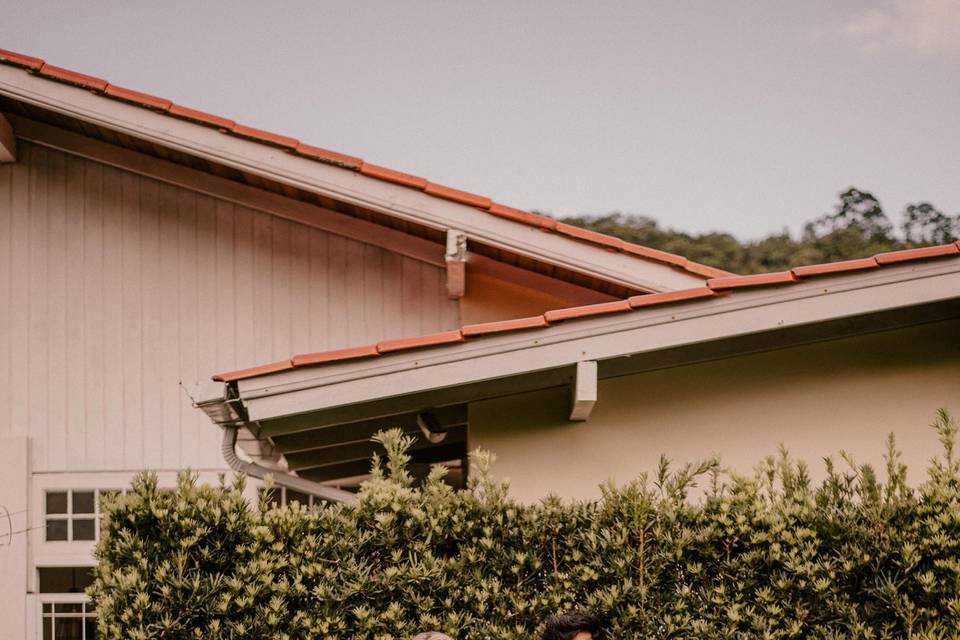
[(215, 401)]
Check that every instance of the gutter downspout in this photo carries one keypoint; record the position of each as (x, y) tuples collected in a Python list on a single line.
[(229, 450)]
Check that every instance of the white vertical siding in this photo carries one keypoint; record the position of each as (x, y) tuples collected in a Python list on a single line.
[(115, 287)]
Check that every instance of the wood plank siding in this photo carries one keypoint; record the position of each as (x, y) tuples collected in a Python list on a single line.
[(114, 287)]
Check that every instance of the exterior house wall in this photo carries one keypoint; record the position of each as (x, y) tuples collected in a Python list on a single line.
[(815, 399), (116, 287)]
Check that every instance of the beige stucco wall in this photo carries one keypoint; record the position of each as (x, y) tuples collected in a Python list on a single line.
[(815, 399)]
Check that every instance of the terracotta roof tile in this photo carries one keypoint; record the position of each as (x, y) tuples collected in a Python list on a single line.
[(330, 157), (396, 177), (320, 357), (917, 254), (656, 254), (532, 219), (670, 297), (758, 280), (446, 337), (603, 308), (199, 116), (463, 197), (135, 97), (20, 60), (588, 235), (253, 372), (264, 136), (502, 326), (72, 77), (812, 270)]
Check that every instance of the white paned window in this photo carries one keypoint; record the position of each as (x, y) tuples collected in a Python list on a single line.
[(66, 612), (73, 514)]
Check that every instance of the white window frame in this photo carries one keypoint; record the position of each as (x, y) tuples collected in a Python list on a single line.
[(59, 598), (70, 516)]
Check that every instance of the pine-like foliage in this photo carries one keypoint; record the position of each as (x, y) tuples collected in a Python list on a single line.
[(766, 556)]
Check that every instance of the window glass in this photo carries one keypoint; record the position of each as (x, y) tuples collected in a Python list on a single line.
[(64, 580), (56, 502), (82, 501), (84, 529), (56, 530)]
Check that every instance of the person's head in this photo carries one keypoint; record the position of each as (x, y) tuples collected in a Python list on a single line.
[(431, 635), (571, 626)]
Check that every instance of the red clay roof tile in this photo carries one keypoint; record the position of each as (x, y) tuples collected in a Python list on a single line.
[(135, 97), (917, 254), (264, 136), (502, 326), (603, 308), (655, 254), (758, 280), (670, 297), (199, 116), (20, 60), (319, 357), (532, 219), (463, 197), (812, 270), (588, 235), (330, 157), (446, 337), (72, 77), (396, 177), (253, 372)]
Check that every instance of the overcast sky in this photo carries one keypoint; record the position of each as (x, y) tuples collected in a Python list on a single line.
[(735, 115)]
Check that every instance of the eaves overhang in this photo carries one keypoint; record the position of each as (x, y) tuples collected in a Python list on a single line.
[(634, 267), (765, 318)]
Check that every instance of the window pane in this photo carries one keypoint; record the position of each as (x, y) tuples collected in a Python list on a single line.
[(56, 530), (68, 607), (91, 625), (56, 502), (68, 628), (83, 529), (46, 607), (83, 501), (47, 629), (65, 580)]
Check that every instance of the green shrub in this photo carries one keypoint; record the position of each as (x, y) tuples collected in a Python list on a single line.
[(767, 556)]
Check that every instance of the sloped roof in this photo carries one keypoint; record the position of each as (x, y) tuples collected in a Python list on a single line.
[(227, 126), (714, 287)]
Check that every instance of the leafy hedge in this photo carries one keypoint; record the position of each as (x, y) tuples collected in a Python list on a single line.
[(767, 556)]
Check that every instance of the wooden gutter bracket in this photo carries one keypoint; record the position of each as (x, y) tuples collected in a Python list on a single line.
[(583, 392), (456, 259)]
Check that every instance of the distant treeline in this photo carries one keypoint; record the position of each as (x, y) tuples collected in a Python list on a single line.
[(857, 228)]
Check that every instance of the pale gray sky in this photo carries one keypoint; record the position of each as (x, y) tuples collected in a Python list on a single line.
[(745, 116)]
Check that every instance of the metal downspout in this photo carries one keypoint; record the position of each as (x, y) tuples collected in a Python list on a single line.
[(229, 450)]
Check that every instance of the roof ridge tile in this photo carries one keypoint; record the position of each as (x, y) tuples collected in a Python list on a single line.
[(72, 77), (138, 98), (429, 340)]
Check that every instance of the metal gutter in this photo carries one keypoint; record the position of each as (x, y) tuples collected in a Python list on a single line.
[(220, 403)]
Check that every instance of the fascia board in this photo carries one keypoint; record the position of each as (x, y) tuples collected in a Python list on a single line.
[(346, 186), (621, 335)]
